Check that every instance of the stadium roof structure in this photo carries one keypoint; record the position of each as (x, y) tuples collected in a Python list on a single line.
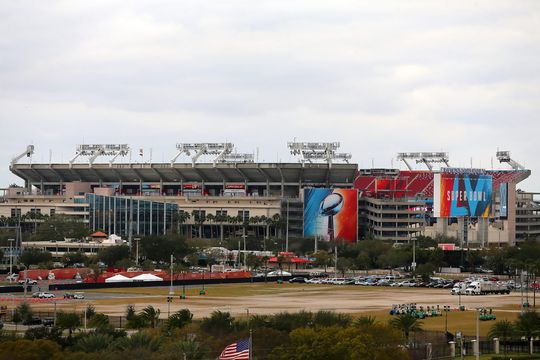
[(307, 173)]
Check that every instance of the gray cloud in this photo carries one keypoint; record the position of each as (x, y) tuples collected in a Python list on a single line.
[(380, 78)]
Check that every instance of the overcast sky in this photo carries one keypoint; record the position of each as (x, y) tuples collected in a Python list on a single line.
[(380, 77)]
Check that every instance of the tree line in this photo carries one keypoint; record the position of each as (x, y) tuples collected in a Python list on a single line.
[(300, 335)]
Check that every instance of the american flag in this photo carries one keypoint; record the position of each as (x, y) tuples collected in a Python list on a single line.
[(236, 351)]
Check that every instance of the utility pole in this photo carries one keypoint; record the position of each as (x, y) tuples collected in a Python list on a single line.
[(477, 334), (245, 253), (335, 260), (25, 281), (413, 265), (137, 250), (54, 322), (11, 259), (239, 254), (171, 292), (287, 229)]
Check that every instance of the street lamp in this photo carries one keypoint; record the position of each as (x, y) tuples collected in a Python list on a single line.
[(478, 334), (171, 292), (137, 250), (11, 259), (446, 310), (287, 229), (244, 236), (413, 265)]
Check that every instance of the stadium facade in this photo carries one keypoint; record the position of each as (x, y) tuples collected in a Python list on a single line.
[(140, 198)]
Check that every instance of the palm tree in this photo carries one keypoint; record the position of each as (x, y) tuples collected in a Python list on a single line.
[(407, 324), (255, 220), (278, 222), (189, 349), (95, 342), (138, 341), (151, 315), (199, 218), (180, 218), (179, 319), (221, 218), (211, 219), (365, 320), (219, 323), (504, 330), (528, 324), (99, 321), (69, 321)]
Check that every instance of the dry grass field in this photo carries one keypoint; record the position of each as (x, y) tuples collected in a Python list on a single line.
[(260, 298)]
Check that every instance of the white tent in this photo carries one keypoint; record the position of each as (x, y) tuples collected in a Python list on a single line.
[(146, 277), (118, 278), (279, 273)]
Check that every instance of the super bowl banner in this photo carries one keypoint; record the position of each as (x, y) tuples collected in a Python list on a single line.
[(461, 195), (331, 214)]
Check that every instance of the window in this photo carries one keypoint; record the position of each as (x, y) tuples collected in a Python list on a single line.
[(244, 214), (199, 213), (15, 213), (221, 212), (52, 211)]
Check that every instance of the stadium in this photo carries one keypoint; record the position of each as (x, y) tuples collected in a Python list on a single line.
[(218, 184)]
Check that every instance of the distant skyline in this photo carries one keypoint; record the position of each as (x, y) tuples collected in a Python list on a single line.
[(380, 78)]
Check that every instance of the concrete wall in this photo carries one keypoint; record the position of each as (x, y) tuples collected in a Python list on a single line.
[(76, 188)]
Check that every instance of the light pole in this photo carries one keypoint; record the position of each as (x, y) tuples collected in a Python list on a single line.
[(171, 292), (477, 334), (137, 250), (25, 280), (11, 259), (244, 236), (446, 310), (413, 265), (287, 229)]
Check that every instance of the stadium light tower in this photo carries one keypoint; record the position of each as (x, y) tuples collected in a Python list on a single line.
[(200, 149), (427, 158), (29, 152), (93, 151), (504, 157), (237, 158), (310, 151)]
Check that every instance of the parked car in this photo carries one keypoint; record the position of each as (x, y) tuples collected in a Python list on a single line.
[(12, 277), (298, 279), (33, 321), (28, 281), (47, 322), (46, 295)]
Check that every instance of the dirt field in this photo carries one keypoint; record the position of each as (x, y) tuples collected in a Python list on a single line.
[(270, 298)]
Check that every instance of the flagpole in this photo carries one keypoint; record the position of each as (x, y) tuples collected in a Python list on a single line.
[(250, 344)]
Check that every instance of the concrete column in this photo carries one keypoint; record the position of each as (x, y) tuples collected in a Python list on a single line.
[(475, 347), (531, 345), (452, 349), (496, 345)]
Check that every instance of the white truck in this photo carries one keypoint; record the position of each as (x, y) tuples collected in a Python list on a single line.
[(486, 287), (459, 288)]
